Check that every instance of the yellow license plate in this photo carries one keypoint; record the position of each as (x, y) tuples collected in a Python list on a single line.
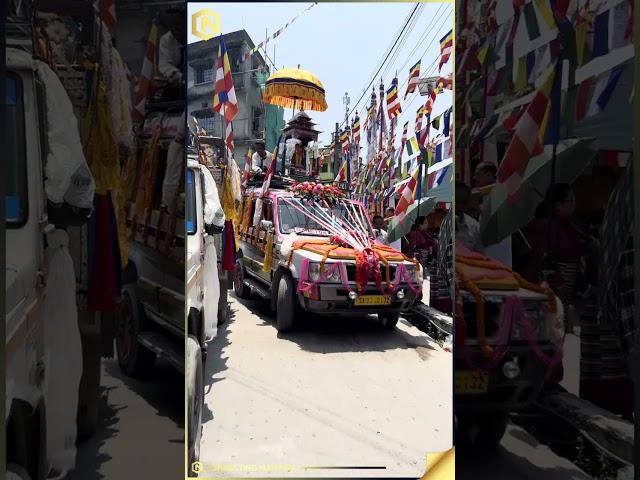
[(472, 382), (372, 300)]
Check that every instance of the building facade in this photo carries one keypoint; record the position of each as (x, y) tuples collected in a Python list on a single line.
[(248, 78)]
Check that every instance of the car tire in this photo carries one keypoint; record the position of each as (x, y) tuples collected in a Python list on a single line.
[(388, 321), (239, 274), (16, 472), (482, 433), (285, 311), (195, 397), (133, 358)]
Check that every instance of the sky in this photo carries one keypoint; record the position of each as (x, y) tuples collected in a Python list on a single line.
[(343, 44)]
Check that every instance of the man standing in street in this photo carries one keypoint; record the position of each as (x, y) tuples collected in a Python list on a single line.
[(467, 228)]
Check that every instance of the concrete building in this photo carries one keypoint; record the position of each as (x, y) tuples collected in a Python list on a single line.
[(249, 124)]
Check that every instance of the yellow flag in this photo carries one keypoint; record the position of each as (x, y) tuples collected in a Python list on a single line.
[(545, 10), (521, 79)]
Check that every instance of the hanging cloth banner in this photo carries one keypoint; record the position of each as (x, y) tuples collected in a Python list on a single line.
[(263, 44)]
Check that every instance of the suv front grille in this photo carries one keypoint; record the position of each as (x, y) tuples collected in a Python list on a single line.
[(351, 272)]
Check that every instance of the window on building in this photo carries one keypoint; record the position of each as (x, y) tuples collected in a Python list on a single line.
[(256, 119), (209, 121), (204, 74)]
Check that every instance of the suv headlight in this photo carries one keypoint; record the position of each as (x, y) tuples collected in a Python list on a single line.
[(415, 272), (314, 273), (539, 324)]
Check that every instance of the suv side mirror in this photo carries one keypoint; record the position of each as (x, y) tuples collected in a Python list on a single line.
[(266, 225)]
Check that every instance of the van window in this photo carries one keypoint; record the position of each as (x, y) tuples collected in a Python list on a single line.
[(190, 203), (16, 200)]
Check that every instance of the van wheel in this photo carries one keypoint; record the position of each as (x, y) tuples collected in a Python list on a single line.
[(223, 307), (133, 358), (16, 472), (195, 397), (239, 274), (286, 307), (388, 321)]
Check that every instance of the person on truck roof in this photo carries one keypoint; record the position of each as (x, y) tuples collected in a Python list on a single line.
[(261, 159), (171, 47)]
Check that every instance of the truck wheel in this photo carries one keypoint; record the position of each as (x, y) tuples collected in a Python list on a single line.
[(483, 433), (133, 358), (16, 472), (240, 289), (195, 397), (388, 321), (285, 311)]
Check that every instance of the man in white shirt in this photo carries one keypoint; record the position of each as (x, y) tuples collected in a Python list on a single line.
[(467, 228), (261, 159), (388, 216), (171, 47)]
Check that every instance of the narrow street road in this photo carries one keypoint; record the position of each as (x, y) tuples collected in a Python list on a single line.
[(520, 456), (336, 392), (141, 430)]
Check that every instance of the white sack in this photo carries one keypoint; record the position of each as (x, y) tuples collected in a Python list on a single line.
[(213, 213), (211, 289), (63, 352)]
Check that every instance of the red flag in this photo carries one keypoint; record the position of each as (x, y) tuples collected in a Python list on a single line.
[(527, 139)]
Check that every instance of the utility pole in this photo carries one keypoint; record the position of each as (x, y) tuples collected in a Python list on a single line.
[(346, 101), (336, 150)]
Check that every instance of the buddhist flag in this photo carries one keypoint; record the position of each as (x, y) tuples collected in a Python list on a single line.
[(344, 140), (526, 141), (393, 102), (356, 130), (428, 105), (414, 77), (446, 47), (224, 94), (444, 82), (143, 88), (418, 124), (408, 196), (413, 147), (342, 173)]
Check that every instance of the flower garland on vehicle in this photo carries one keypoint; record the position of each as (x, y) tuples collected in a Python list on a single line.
[(317, 192), (512, 305), (351, 233)]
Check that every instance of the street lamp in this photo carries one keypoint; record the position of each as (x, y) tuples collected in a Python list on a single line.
[(346, 101)]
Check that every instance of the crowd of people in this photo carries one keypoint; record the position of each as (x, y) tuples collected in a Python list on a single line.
[(552, 248)]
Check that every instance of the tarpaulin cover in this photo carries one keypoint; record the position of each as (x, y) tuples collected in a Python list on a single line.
[(213, 213), (63, 352), (67, 177), (211, 288)]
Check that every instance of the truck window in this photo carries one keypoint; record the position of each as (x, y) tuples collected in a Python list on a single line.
[(190, 197), (16, 199)]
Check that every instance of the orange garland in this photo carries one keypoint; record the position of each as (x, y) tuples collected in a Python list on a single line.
[(488, 263), (378, 250)]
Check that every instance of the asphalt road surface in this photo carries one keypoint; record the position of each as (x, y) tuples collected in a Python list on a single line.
[(141, 430), (337, 392), (520, 456)]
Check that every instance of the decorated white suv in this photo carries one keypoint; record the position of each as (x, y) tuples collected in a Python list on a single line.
[(306, 248)]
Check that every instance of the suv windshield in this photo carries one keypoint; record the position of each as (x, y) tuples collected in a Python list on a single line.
[(292, 220), (16, 185)]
